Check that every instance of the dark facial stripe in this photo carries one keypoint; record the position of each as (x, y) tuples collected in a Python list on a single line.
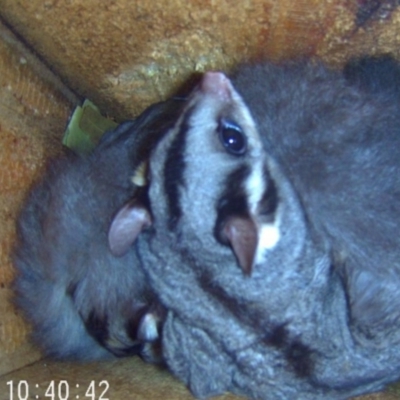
[(97, 327), (173, 172), (132, 325), (233, 201), (269, 200)]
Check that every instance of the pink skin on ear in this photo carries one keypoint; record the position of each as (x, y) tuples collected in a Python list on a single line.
[(125, 227), (242, 234)]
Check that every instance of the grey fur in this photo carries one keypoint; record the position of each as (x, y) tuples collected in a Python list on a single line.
[(318, 316), (83, 302)]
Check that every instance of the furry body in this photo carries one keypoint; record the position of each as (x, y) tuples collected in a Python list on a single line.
[(278, 259), (83, 302)]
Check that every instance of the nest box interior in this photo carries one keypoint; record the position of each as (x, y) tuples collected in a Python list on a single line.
[(124, 55)]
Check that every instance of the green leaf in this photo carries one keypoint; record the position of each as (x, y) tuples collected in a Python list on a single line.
[(85, 128)]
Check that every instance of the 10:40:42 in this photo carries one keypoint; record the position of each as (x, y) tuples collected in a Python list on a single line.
[(56, 390)]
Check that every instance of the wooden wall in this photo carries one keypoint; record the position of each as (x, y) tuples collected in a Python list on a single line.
[(34, 108), (126, 54)]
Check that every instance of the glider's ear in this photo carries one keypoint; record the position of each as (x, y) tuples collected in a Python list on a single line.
[(125, 227), (242, 235)]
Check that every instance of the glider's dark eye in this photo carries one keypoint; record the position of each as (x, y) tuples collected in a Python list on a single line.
[(232, 138)]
